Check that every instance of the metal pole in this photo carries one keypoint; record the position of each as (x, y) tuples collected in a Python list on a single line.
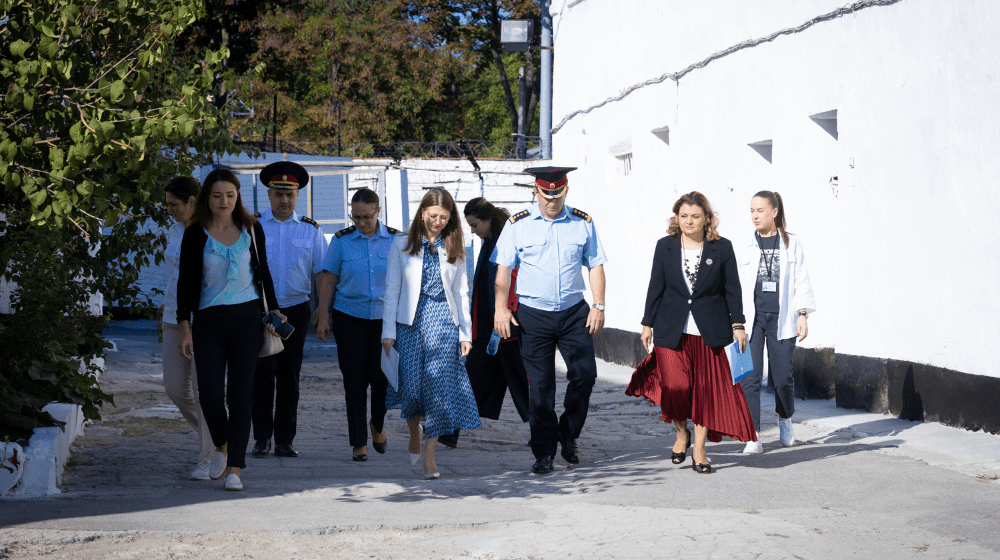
[(522, 110), (340, 120), (274, 125), (545, 118)]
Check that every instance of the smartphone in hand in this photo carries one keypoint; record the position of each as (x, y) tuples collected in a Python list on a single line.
[(284, 330)]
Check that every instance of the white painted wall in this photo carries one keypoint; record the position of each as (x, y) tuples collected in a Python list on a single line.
[(903, 253)]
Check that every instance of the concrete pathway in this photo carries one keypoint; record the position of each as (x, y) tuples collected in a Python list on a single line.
[(858, 486)]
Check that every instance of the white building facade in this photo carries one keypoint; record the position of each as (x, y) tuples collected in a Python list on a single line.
[(877, 122)]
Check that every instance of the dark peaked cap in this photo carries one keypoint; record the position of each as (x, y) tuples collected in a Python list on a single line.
[(550, 180), (284, 175)]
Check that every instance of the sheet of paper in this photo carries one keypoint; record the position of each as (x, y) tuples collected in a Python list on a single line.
[(390, 367)]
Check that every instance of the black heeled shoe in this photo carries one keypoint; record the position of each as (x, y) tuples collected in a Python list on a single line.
[(379, 447), (703, 468), (679, 458)]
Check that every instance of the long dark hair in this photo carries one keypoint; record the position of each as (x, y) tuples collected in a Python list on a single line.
[(483, 210), (202, 212), (454, 245), (774, 199), (695, 198), (183, 187)]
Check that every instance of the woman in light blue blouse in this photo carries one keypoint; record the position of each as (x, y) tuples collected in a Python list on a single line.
[(222, 281)]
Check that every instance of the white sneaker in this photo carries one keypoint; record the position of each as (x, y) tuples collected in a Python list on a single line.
[(753, 447), (787, 435), (233, 483), (200, 472), (218, 465)]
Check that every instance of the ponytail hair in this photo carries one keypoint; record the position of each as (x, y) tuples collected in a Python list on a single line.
[(483, 210), (774, 199)]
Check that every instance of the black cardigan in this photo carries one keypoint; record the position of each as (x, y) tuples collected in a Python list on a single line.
[(191, 268), (716, 301)]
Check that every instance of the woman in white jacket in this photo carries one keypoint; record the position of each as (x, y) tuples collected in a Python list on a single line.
[(782, 301), (426, 315)]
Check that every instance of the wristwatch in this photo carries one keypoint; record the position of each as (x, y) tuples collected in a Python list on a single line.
[(598, 306)]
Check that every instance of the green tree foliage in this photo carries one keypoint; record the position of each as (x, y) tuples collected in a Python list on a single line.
[(488, 88), (96, 113), (376, 63), (389, 70)]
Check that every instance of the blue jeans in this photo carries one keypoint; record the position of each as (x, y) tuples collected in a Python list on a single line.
[(779, 356)]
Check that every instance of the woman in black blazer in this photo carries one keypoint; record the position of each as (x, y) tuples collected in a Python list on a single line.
[(222, 280), (694, 306)]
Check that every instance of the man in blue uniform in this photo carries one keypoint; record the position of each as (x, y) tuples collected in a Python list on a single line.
[(552, 242), (295, 251)]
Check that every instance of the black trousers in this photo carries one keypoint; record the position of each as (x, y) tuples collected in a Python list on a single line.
[(492, 376), (541, 333), (779, 370), (279, 374), (227, 340), (359, 348)]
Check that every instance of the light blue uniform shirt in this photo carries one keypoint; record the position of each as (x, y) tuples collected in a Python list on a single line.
[(551, 254), (227, 278), (295, 251), (360, 262)]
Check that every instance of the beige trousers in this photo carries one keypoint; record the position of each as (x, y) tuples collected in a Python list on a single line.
[(180, 380)]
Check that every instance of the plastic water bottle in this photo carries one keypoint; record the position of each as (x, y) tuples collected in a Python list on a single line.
[(494, 344)]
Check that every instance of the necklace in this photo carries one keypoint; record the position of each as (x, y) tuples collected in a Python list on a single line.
[(691, 273)]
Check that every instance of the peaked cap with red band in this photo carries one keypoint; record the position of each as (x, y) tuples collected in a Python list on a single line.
[(284, 175), (551, 181)]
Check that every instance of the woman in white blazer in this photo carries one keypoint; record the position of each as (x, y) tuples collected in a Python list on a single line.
[(782, 300), (426, 315)]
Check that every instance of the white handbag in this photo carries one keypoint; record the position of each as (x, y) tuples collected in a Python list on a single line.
[(272, 342)]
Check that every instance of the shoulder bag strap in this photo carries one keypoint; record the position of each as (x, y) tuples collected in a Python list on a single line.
[(256, 256)]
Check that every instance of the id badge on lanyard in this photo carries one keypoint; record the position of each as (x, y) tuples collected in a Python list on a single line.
[(768, 287)]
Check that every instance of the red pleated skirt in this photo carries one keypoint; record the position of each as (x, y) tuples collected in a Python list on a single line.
[(693, 381)]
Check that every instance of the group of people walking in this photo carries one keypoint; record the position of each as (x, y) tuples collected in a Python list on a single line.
[(392, 297)]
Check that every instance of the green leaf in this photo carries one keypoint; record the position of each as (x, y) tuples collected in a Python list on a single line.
[(85, 187), (48, 47), (18, 47), (36, 197), (116, 90), (76, 132)]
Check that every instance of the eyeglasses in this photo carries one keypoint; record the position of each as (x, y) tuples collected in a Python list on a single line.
[(356, 218)]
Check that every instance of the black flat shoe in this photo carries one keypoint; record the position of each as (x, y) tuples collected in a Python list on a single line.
[(542, 466), (261, 448), (285, 450), (703, 468), (360, 458), (380, 447)]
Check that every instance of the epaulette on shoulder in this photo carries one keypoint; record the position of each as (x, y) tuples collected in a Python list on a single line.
[(518, 216), (345, 231), (392, 230), (581, 214), (309, 220), (256, 215)]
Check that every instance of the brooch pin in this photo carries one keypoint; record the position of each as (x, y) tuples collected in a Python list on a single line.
[(708, 262)]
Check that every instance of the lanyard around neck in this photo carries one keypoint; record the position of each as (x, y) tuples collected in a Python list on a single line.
[(767, 261)]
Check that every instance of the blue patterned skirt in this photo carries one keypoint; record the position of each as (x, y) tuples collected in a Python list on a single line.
[(432, 378)]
